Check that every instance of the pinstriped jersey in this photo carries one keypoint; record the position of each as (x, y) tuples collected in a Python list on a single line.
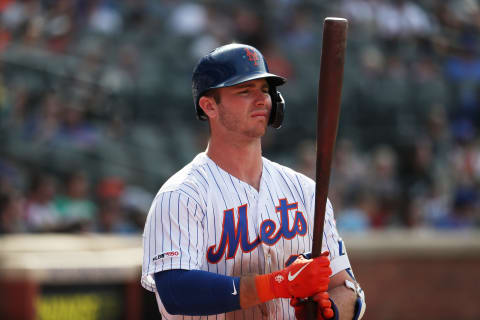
[(204, 218)]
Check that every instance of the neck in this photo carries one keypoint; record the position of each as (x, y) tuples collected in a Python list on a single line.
[(242, 159)]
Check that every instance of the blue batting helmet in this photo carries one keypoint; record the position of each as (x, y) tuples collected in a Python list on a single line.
[(230, 65)]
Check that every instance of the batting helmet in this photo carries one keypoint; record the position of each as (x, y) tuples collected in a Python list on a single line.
[(233, 64)]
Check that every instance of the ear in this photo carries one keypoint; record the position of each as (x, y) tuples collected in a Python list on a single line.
[(208, 106)]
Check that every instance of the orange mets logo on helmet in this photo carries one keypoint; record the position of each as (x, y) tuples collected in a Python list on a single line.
[(252, 56)]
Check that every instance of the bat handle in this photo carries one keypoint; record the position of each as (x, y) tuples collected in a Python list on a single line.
[(311, 309)]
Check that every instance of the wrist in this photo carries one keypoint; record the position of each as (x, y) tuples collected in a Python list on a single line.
[(271, 286), (264, 289)]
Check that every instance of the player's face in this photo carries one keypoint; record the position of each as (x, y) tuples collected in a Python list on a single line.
[(245, 108)]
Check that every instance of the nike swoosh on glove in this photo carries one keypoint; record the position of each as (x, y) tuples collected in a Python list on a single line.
[(303, 278)]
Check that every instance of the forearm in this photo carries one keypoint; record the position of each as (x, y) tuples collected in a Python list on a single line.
[(350, 300), (248, 292), (196, 292), (344, 299)]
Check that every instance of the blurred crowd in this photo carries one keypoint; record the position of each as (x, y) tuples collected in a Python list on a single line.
[(96, 109)]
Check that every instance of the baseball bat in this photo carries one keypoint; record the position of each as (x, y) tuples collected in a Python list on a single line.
[(328, 110)]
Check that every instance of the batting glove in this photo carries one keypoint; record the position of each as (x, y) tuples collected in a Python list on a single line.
[(325, 307), (303, 278)]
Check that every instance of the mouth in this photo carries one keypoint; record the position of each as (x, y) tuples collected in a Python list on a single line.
[(259, 114)]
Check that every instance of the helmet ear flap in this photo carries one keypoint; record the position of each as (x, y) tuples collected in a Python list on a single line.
[(278, 109)]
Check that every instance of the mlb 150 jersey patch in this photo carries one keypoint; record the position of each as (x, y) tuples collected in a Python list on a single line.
[(168, 254)]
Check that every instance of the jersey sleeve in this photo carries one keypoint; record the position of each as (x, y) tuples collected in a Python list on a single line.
[(333, 243), (331, 239), (173, 235)]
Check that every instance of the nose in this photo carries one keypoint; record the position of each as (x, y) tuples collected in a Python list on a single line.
[(262, 98)]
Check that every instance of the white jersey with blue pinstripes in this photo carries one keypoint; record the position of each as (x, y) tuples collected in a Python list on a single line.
[(206, 219)]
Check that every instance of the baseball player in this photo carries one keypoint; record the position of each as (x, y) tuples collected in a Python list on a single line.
[(225, 236)]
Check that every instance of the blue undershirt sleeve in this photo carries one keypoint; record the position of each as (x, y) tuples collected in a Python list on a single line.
[(197, 292)]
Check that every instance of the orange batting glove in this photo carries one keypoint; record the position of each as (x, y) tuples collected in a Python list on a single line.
[(323, 303), (303, 278)]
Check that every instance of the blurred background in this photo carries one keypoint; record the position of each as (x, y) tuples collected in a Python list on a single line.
[(96, 113)]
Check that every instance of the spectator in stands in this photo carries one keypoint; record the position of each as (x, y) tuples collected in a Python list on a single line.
[(41, 214), (43, 126), (76, 130), (112, 215), (349, 171), (426, 182), (402, 18), (355, 214), (462, 69), (360, 11), (11, 213), (465, 160), (300, 31), (306, 158), (382, 181), (10, 175), (112, 218), (105, 17), (136, 201), (464, 214), (77, 210)]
